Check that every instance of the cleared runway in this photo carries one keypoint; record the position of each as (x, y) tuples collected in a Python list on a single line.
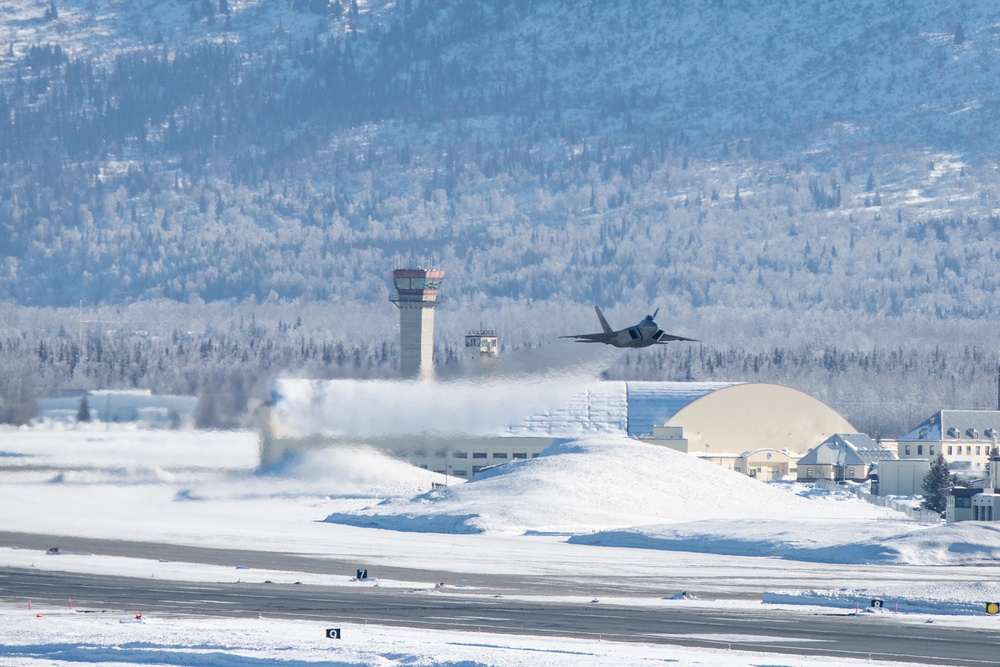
[(706, 577), (766, 629)]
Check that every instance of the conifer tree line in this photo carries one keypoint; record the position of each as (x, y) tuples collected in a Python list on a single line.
[(882, 391)]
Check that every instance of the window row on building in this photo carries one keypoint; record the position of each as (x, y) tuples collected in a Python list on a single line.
[(500, 457)]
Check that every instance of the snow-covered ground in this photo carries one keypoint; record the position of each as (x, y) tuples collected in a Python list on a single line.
[(583, 506), (58, 637)]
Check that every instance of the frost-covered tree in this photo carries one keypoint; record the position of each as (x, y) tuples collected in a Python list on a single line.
[(936, 484), (83, 412)]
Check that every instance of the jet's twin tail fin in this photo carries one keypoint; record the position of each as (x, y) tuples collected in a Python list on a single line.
[(604, 323)]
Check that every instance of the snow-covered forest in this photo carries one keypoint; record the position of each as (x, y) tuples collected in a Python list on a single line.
[(809, 188), (228, 355)]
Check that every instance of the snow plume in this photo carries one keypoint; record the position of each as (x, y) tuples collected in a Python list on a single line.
[(554, 359), (332, 472), (125, 475), (363, 409)]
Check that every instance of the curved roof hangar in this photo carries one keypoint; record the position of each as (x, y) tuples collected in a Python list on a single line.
[(740, 417)]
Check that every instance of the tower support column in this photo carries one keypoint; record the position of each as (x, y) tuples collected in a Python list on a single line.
[(416, 297)]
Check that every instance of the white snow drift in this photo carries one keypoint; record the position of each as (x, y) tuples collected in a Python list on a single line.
[(599, 482)]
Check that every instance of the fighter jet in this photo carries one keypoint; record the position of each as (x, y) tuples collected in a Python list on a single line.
[(644, 334)]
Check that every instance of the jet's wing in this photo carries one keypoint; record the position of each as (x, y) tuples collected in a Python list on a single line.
[(663, 337), (591, 338)]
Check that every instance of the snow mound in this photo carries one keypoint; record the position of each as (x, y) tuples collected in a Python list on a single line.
[(819, 541), (592, 483), (331, 472), (966, 543)]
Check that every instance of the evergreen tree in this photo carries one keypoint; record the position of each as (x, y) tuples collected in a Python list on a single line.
[(83, 414), (936, 485)]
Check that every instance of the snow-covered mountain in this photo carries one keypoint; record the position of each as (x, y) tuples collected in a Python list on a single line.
[(768, 73), (589, 151)]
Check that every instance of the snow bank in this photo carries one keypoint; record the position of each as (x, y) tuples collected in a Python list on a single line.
[(804, 540), (595, 483), (944, 602), (951, 598), (59, 637), (819, 541)]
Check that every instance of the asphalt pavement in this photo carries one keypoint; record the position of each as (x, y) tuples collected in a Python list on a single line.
[(798, 632)]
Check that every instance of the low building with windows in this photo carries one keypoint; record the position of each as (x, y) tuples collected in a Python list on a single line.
[(977, 504), (958, 504), (766, 464), (986, 506), (972, 504), (481, 345), (963, 437), (842, 457)]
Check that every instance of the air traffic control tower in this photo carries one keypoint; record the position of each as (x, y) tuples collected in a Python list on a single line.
[(416, 296)]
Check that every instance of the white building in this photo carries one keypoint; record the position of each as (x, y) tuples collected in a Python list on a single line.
[(121, 405), (766, 464), (964, 437), (986, 506), (481, 345), (958, 504), (732, 418), (901, 477), (977, 504), (842, 456)]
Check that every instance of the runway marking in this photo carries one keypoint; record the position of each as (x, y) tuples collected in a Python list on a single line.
[(734, 639), (469, 618)]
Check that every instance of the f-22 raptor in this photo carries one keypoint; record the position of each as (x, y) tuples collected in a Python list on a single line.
[(643, 334)]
